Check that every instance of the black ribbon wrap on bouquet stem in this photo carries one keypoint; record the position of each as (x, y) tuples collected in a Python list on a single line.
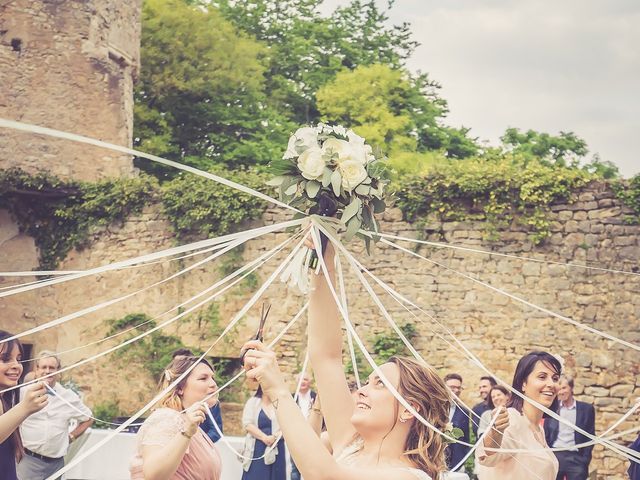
[(326, 207)]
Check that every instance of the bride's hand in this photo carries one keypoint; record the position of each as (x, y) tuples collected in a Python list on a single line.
[(261, 364), (329, 251)]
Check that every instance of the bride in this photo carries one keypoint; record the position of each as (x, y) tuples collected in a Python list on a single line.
[(373, 437)]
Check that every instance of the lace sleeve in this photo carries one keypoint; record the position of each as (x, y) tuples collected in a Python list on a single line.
[(161, 427)]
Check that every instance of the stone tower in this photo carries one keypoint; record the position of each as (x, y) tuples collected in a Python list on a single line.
[(69, 65)]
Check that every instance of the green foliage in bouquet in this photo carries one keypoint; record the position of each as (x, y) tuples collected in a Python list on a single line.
[(331, 171)]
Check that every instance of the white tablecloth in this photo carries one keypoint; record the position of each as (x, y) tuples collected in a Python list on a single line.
[(111, 462)]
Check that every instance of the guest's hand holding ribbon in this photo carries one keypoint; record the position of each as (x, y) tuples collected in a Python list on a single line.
[(502, 422), (194, 416), (261, 364), (35, 398)]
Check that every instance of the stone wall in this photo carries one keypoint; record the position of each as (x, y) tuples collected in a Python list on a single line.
[(591, 230), (69, 65)]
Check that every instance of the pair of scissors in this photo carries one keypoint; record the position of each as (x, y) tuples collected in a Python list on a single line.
[(266, 308)]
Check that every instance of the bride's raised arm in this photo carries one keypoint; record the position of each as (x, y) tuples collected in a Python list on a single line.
[(325, 353)]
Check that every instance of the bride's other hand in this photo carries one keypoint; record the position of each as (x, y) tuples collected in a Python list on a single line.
[(261, 364)]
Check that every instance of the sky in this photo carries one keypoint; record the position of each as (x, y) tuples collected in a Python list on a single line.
[(547, 65)]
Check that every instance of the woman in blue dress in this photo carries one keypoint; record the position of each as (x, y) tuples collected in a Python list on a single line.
[(263, 442)]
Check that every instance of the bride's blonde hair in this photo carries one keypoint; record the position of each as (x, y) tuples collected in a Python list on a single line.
[(423, 388), (177, 367)]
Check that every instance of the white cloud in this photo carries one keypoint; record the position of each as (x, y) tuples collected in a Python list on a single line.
[(551, 66)]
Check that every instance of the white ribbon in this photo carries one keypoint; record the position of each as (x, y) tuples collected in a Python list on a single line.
[(140, 412), (498, 254), (50, 132), (217, 392), (518, 299), (249, 268), (156, 255), (623, 451), (107, 303), (394, 294)]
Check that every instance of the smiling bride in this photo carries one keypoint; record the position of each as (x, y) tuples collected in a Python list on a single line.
[(373, 437)]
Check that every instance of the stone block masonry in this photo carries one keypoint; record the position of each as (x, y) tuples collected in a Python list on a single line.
[(497, 329), (69, 65)]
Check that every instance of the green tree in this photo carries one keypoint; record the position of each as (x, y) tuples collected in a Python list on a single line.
[(306, 50), (201, 97), (394, 110), (565, 149)]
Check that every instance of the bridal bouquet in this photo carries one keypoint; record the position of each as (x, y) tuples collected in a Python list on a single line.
[(331, 171)]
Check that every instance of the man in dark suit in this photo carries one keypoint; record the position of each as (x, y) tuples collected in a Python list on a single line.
[(484, 389), (574, 463), (459, 417)]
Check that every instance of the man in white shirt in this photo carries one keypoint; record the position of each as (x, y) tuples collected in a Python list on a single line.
[(574, 462), (45, 434)]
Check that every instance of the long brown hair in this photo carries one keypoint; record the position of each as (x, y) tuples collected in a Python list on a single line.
[(423, 388), (9, 399), (177, 367)]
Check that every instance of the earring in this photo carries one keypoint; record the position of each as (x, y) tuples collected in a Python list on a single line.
[(403, 420)]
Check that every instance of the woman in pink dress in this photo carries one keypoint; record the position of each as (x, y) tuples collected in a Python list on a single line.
[(170, 444), (519, 426)]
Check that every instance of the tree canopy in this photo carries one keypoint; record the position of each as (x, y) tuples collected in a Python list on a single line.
[(224, 83)]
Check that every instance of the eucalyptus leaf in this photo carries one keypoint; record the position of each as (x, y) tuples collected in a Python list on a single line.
[(378, 205), (292, 189), (287, 181), (336, 182), (312, 188), (363, 189), (353, 226), (276, 181), (350, 210), (367, 218), (326, 177)]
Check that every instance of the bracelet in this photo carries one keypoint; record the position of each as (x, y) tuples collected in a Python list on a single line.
[(317, 410), (184, 433)]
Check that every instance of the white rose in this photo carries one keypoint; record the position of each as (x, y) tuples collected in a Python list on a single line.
[(340, 130), (311, 163), (353, 174), (354, 137), (361, 152), (304, 138), (341, 148)]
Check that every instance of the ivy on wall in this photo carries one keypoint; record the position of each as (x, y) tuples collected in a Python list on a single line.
[(499, 193), (385, 345), (629, 193), (198, 207), (61, 215)]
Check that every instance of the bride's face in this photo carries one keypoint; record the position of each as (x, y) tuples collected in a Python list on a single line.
[(375, 409)]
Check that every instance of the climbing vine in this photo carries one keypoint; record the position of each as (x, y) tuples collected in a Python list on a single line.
[(499, 193), (629, 193), (199, 207), (61, 215), (385, 345)]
